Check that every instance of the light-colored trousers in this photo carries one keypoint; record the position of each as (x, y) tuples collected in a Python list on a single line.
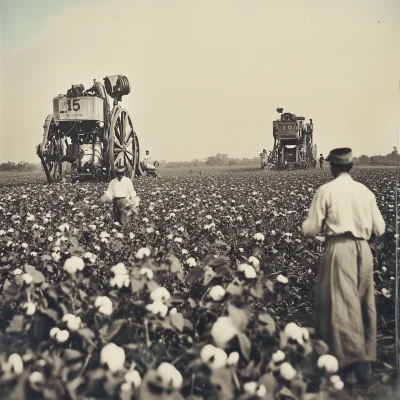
[(345, 311)]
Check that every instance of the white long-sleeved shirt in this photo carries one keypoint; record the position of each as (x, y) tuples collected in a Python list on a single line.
[(122, 188), (341, 206)]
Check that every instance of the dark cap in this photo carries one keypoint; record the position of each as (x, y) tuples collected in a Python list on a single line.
[(342, 156)]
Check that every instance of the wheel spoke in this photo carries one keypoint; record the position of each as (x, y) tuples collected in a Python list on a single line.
[(119, 156), (129, 152), (128, 131), (117, 135), (121, 126), (129, 142), (130, 159)]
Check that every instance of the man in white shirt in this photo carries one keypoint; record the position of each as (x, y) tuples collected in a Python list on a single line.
[(346, 212), (147, 161), (120, 189)]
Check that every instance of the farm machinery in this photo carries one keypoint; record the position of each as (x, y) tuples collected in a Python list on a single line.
[(293, 143), (93, 139)]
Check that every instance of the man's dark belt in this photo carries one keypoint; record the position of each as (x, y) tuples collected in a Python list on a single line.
[(346, 235), (119, 198)]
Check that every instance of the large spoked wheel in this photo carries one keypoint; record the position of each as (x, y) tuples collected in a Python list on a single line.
[(50, 151), (123, 144)]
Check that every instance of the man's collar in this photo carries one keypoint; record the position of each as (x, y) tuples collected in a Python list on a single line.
[(344, 175)]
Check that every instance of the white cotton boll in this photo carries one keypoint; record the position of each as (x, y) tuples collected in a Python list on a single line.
[(337, 382), (73, 264), (191, 262), (250, 387), (293, 331), (160, 293), (134, 378), (113, 356), (62, 336), (259, 237), (15, 363), (217, 293), (329, 363), (36, 378), (207, 352), (143, 252), (233, 358), (278, 356), (17, 271), (120, 281), (30, 308), (282, 279), (262, 391), (220, 359), (170, 375), (223, 331), (254, 261), (119, 269), (28, 278), (33, 253), (53, 332), (250, 272), (73, 322), (147, 272), (104, 304), (158, 308), (287, 371)]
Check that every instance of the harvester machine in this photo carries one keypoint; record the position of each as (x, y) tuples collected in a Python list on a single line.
[(89, 138), (293, 143)]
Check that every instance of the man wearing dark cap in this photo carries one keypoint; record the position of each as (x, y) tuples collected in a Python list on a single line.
[(346, 212), (321, 161), (120, 189)]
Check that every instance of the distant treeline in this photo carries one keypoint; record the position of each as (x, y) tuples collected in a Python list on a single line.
[(221, 160), (389, 160), (22, 166)]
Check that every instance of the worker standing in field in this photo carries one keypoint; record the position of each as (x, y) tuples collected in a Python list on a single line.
[(119, 190), (321, 161), (346, 212)]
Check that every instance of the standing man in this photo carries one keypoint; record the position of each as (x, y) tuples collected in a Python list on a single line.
[(321, 160), (120, 189), (346, 212), (147, 161)]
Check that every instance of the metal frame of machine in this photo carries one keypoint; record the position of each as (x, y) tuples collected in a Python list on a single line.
[(293, 143), (86, 133)]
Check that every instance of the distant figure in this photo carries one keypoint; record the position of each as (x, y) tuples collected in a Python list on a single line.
[(147, 161), (321, 160), (263, 156)]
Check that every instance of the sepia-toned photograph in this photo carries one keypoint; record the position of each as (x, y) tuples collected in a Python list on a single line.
[(199, 200)]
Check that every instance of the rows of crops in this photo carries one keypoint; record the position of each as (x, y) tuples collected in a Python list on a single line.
[(206, 294)]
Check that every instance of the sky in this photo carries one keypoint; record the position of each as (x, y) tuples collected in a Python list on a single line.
[(207, 76)]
